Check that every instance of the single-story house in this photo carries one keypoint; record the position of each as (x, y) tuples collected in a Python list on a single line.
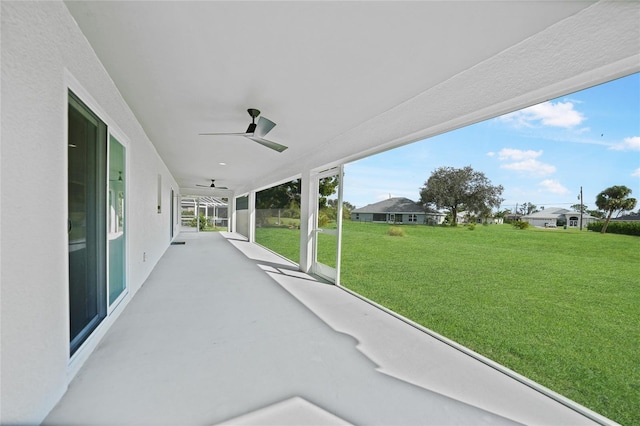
[(467, 217), (397, 210), (557, 216), (632, 217)]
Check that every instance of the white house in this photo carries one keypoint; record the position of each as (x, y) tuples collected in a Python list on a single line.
[(464, 217), (103, 104), (552, 217)]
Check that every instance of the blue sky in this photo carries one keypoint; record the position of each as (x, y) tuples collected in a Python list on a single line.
[(541, 155)]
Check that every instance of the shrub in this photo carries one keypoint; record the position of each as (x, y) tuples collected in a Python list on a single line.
[(394, 231), (520, 224), (203, 222), (626, 228), (471, 226), (323, 220)]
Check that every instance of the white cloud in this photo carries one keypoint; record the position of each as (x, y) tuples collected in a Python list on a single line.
[(491, 154), (525, 161), (628, 144), (636, 173), (531, 166), (558, 114), (517, 154), (553, 186)]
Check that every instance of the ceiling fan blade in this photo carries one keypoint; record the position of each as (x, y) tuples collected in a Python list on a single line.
[(263, 127), (268, 144), (225, 134)]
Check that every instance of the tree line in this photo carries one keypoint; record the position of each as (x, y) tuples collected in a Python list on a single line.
[(466, 189), (453, 189)]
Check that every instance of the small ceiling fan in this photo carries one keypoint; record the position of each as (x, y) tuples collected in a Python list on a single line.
[(255, 132), (213, 185)]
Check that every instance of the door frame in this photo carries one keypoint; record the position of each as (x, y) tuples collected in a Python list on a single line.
[(317, 268), (123, 141)]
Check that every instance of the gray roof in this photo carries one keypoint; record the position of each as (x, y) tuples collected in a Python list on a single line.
[(554, 213), (633, 217), (391, 205)]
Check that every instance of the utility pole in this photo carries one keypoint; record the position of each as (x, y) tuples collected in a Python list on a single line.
[(581, 208)]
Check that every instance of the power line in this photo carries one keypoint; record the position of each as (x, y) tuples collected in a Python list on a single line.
[(539, 204)]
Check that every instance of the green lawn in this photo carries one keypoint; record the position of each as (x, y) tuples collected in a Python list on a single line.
[(561, 307)]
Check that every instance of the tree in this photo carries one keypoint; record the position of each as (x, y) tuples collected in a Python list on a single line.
[(502, 213), (452, 188), (577, 208), (528, 208), (287, 195), (326, 186), (597, 213), (615, 198), (346, 207)]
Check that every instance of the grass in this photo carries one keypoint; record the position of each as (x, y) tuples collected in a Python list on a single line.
[(558, 306), (282, 240)]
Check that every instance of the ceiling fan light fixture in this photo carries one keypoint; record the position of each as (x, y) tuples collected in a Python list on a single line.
[(251, 129)]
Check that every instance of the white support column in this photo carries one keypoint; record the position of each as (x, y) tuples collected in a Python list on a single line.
[(252, 216), (198, 214), (339, 222), (178, 213), (231, 213), (308, 203)]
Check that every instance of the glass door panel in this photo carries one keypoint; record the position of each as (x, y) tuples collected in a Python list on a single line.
[(116, 222), (326, 261), (86, 221), (326, 245)]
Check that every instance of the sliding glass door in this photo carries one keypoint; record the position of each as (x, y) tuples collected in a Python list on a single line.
[(87, 165)]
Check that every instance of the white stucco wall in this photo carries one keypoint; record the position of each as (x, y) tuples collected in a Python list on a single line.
[(42, 51)]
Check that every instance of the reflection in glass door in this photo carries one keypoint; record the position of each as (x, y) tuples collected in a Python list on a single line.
[(87, 136), (116, 223), (328, 230)]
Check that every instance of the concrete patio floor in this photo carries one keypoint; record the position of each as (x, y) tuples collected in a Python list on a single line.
[(224, 331)]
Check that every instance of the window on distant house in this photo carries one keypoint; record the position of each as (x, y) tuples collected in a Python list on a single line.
[(413, 218)]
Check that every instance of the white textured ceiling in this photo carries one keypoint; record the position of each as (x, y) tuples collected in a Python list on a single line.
[(341, 79)]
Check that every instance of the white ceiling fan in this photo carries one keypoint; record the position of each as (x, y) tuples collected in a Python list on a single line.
[(255, 132)]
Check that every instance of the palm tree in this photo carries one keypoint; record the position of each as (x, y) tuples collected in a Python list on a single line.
[(614, 199)]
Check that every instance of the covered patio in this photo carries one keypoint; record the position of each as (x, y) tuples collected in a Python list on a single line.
[(219, 329), (213, 209), (225, 331)]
